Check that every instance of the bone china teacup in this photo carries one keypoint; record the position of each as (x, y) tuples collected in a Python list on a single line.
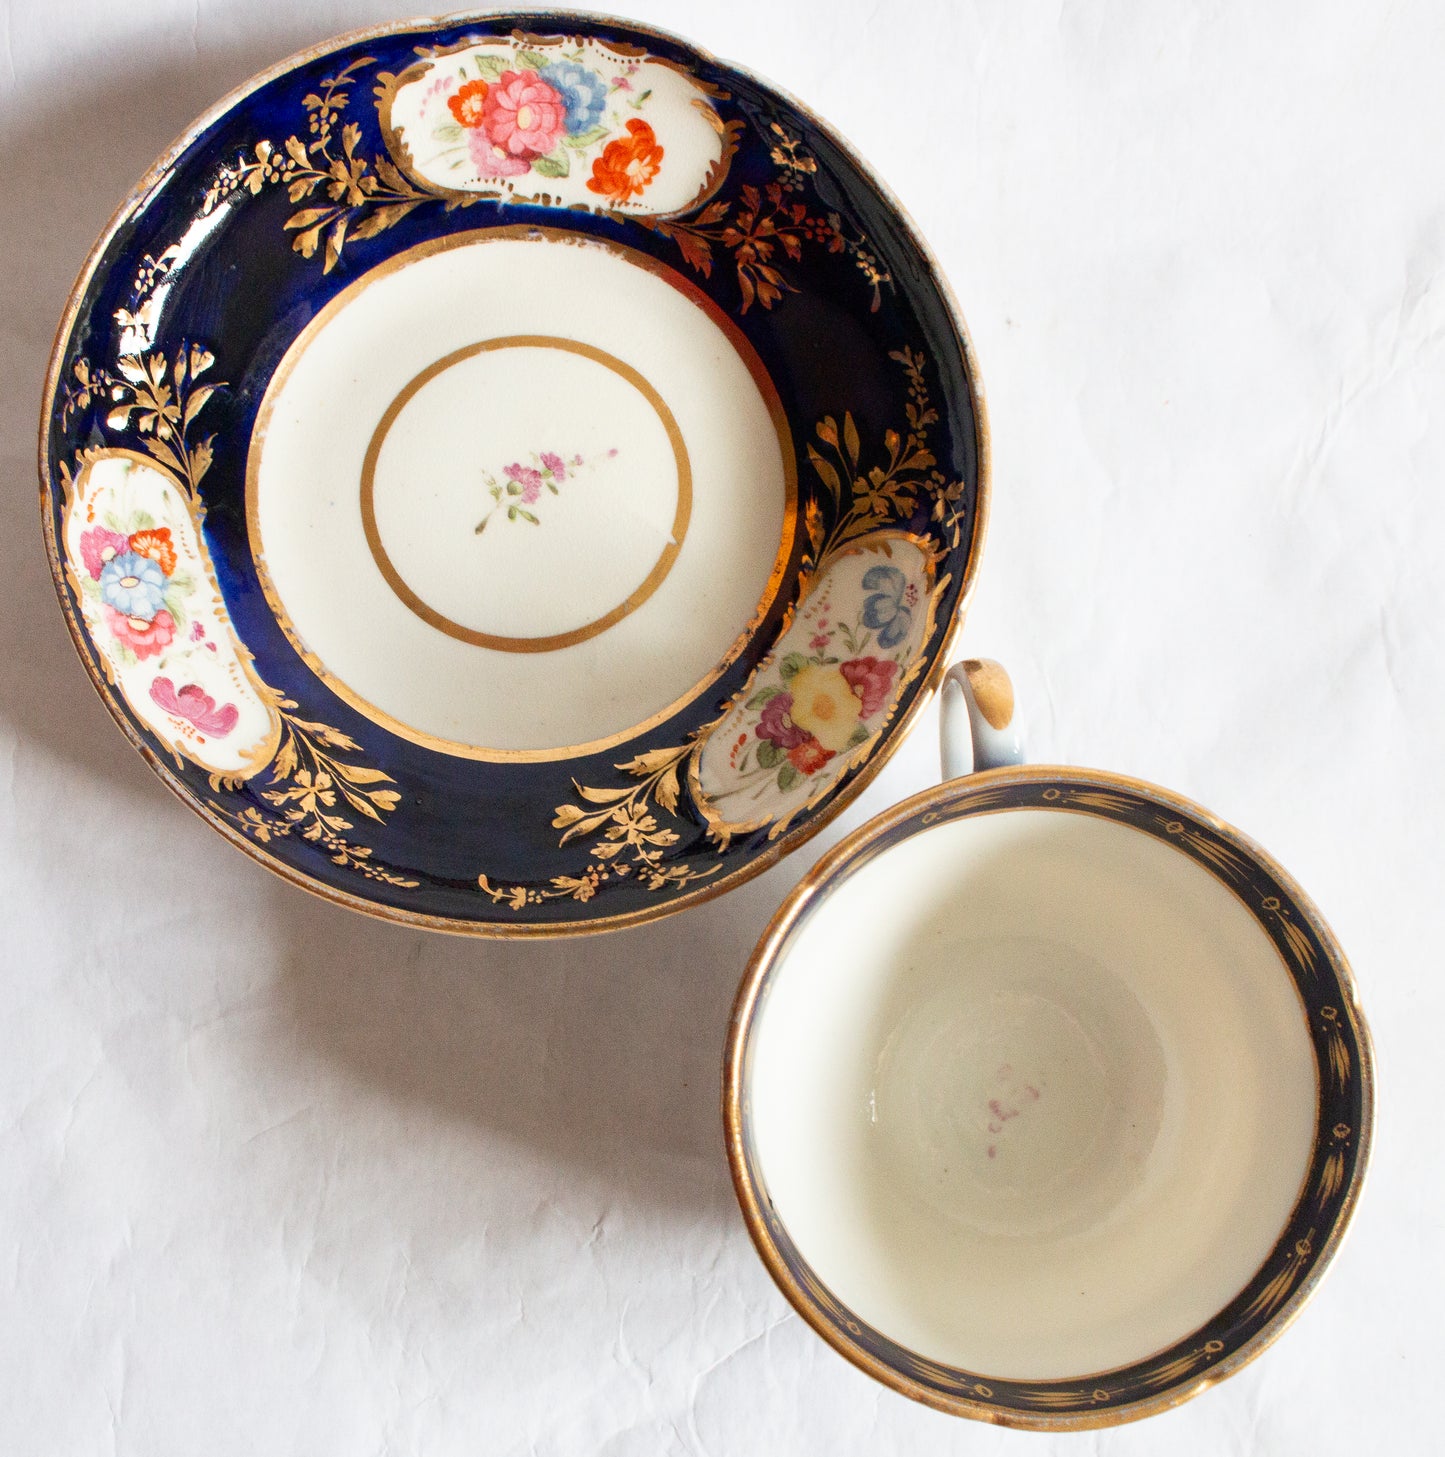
[(1047, 1095)]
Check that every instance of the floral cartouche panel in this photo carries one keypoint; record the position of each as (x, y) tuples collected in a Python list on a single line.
[(151, 608), (815, 708), (137, 564), (567, 122)]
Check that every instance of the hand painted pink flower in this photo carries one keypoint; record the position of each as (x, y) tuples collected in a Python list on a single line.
[(819, 641), (523, 115), (99, 546), (197, 631), (870, 679), (144, 639), (530, 481), (555, 464), (194, 704), (776, 727), (492, 160)]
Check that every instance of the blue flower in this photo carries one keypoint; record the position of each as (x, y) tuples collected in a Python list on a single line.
[(134, 585), (884, 610), (583, 92)]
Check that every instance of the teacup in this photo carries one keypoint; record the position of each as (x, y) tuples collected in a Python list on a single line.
[(1048, 1098)]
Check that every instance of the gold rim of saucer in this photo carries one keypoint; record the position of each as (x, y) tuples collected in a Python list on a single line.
[(790, 839)]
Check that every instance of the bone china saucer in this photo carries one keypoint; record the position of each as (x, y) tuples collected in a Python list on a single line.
[(512, 474)]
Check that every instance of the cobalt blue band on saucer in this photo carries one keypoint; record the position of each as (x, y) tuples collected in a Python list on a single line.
[(314, 180)]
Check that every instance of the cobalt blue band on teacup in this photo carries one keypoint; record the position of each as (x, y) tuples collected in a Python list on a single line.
[(1335, 1090)]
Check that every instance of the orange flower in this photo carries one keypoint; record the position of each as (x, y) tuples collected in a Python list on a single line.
[(156, 544), (466, 105), (627, 165)]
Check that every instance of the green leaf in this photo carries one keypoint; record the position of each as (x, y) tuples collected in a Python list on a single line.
[(490, 67), (583, 140), (514, 488), (763, 696), (554, 164), (533, 60), (858, 736), (769, 754), (527, 515), (511, 513), (791, 665), (788, 776)]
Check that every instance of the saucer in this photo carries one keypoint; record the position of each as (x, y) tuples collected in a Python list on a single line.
[(516, 475)]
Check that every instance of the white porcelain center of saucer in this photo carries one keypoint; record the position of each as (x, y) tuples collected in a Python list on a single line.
[(1033, 1094), (463, 560), (518, 492)]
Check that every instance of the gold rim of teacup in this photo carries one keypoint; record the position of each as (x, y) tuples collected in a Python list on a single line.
[(818, 881)]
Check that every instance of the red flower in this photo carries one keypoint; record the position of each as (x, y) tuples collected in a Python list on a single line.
[(809, 756), (466, 105), (144, 639), (156, 544), (870, 679), (627, 165), (193, 703)]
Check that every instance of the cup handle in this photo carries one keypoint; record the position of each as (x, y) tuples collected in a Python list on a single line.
[(977, 727)]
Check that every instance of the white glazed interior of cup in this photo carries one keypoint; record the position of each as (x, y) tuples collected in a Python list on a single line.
[(1033, 1093)]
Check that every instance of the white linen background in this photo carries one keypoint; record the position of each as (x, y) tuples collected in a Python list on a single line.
[(275, 1178)]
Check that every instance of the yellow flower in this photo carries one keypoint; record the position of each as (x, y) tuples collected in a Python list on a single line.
[(824, 705)]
